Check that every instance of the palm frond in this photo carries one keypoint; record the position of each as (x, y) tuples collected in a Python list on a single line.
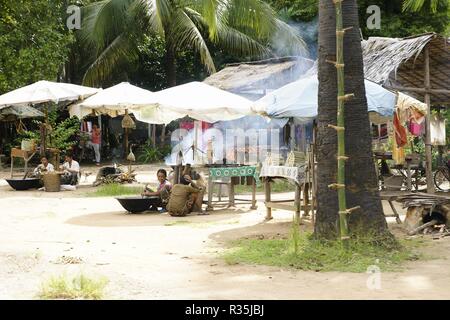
[(103, 21), (417, 5), (120, 49), (185, 33)]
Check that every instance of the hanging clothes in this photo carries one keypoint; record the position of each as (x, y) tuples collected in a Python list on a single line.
[(437, 130), (409, 108), (415, 128), (398, 153), (399, 132)]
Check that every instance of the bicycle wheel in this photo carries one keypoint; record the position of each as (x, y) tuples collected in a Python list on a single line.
[(441, 180)]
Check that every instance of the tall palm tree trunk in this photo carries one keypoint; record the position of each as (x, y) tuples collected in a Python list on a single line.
[(171, 64), (360, 176)]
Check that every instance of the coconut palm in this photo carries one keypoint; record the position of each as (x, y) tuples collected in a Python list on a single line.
[(417, 5), (243, 27), (360, 178)]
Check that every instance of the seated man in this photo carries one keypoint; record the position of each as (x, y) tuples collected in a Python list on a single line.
[(162, 191), (71, 171), (43, 167), (184, 199)]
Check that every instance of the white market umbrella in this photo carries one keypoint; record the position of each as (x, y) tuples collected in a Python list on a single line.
[(114, 101), (196, 100), (46, 91), (299, 100)]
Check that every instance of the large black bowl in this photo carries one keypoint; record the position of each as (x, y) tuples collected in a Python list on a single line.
[(24, 184), (137, 204)]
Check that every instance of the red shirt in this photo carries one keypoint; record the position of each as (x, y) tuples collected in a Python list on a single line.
[(96, 136)]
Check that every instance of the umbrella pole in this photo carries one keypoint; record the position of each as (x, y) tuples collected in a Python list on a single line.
[(44, 132), (126, 141)]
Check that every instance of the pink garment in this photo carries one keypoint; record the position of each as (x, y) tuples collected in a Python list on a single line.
[(415, 128), (166, 184), (188, 125)]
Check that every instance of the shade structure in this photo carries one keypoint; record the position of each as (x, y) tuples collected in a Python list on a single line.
[(196, 100), (114, 101), (299, 100), (19, 112), (46, 91)]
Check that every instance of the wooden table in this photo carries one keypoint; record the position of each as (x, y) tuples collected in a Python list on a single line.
[(28, 155), (409, 167), (295, 174), (229, 172), (22, 154)]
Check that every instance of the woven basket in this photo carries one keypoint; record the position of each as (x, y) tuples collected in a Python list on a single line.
[(52, 182)]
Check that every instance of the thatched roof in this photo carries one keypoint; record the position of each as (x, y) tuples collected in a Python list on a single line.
[(400, 62), (259, 75)]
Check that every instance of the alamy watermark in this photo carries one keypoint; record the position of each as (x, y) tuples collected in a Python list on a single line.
[(374, 280), (232, 145), (374, 20), (73, 21)]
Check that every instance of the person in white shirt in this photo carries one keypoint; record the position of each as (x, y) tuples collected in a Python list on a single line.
[(71, 171), (43, 167)]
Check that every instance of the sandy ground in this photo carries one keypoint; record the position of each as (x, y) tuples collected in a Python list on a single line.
[(155, 256)]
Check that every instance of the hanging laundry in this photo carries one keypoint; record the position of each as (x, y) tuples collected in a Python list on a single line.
[(399, 132), (415, 128), (437, 130), (409, 108), (398, 153)]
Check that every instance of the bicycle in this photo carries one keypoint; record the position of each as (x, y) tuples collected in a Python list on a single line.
[(442, 178)]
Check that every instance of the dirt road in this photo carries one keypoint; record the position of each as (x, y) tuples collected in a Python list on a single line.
[(155, 256)]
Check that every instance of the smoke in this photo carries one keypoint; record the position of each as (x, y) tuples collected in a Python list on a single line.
[(308, 31)]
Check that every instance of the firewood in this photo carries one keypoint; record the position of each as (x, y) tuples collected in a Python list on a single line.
[(422, 227)]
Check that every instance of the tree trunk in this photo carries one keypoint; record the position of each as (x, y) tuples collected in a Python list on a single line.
[(361, 181), (171, 64)]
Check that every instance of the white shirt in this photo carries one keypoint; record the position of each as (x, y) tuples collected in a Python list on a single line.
[(74, 167), (40, 167)]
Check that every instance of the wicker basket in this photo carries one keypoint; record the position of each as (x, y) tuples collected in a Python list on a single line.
[(52, 182)]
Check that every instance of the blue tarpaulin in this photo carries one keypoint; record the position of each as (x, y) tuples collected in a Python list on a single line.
[(299, 100)]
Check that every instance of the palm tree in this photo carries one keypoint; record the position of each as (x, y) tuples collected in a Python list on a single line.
[(417, 5), (360, 179), (242, 27)]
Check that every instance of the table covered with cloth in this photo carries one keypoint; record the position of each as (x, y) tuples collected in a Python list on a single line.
[(226, 172), (296, 174)]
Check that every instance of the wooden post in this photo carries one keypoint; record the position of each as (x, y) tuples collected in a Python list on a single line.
[(253, 207), (340, 128), (267, 192), (231, 202), (428, 155), (297, 203), (125, 142), (44, 132), (154, 135), (163, 135), (408, 175)]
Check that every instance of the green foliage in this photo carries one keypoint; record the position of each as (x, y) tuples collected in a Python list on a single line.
[(147, 153), (34, 42), (278, 186), (243, 28), (149, 71), (297, 10), (78, 287), (115, 190), (397, 23), (417, 5), (63, 134), (306, 253)]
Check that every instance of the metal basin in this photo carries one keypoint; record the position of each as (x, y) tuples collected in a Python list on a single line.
[(24, 184), (137, 204)]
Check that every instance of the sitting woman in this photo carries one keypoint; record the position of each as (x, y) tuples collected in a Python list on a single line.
[(185, 199), (190, 177), (162, 191)]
